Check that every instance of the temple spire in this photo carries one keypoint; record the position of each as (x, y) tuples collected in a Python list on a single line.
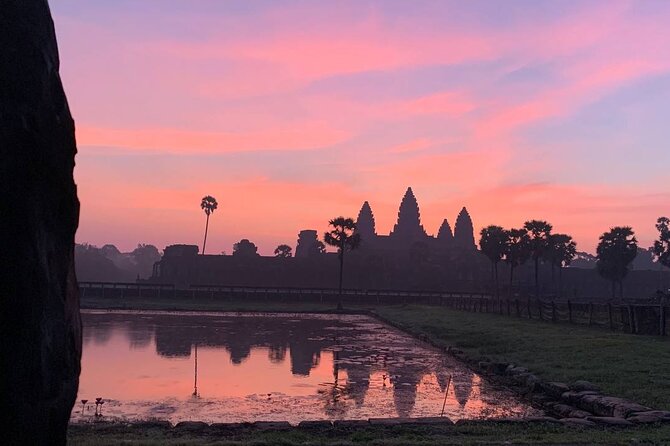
[(365, 223), (409, 218), (464, 236), (444, 234)]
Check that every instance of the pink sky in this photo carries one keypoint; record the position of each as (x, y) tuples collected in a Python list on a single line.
[(291, 113)]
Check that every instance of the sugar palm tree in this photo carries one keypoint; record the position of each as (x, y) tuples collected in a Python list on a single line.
[(343, 238), (209, 205), (539, 232), (616, 251), (562, 249), (492, 245), (517, 252), (661, 248)]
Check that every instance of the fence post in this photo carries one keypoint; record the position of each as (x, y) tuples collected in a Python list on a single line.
[(631, 323), (569, 311), (609, 314), (553, 311), (508, 307), (661, 320), (539, 307), (590, 313), (518, 311)]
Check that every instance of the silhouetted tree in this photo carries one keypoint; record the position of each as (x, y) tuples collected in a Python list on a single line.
[(283, 251), (209, 205), (661, 246), (319, 248), (245, 248), (517, 251), (562, 249), (343, 238), (144, 257), (539, 232), (616, 251), (492, 243)]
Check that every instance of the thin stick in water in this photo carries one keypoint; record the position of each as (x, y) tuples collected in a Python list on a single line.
[(446, 392)]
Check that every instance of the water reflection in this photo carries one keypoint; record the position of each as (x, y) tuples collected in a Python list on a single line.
[(272, 367)]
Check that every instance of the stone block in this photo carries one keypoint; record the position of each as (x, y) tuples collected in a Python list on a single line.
[(191, 426), (389, 421), (317, 424), (153, 424), (272, 425), (577, 422), (350, 423), (581, 385), (555, 389), (610, 421)]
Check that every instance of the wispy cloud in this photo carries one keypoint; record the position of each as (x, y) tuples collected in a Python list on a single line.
[(288, 102)]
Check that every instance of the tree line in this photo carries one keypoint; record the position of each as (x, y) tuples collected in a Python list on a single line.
[(535, 241)]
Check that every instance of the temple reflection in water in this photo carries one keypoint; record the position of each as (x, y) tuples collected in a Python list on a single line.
[(327, 366)]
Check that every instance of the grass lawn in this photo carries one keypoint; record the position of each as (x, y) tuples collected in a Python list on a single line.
[(630, 366), (468, 434)]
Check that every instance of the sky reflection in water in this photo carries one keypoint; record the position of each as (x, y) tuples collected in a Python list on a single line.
[(272, 367)]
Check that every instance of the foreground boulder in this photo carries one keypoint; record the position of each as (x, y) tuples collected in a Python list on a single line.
[(39, 211)]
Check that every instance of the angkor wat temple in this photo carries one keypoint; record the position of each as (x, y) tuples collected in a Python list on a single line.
[(408, 233), (407, 258)]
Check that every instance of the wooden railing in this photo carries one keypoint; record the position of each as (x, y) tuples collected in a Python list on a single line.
[(638, 318)]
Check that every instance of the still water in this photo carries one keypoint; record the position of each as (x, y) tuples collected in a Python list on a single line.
[(272, 367)]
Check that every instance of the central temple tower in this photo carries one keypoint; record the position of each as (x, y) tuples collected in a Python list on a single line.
[(409, 226)]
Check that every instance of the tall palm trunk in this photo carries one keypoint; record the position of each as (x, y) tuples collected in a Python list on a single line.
[(537, 278), (205, 241), (511, 281), (497, 287), (339, 304)]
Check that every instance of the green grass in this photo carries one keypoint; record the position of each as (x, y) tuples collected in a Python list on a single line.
[(468, 434), (630, 366)]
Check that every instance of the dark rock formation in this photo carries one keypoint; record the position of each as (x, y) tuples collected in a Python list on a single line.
[(365, 223), (41, 329), (409, 220), (464, 236)]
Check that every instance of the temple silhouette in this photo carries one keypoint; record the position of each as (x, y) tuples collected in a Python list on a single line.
[(407, 258), (408, 231)]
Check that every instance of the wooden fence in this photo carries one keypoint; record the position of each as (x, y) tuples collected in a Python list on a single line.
[(637, 318)]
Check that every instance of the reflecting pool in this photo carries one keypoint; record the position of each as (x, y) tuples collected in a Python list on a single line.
[(229, 367)]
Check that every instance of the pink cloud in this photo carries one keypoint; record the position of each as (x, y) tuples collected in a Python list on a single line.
[(306, 136), (246, 92)]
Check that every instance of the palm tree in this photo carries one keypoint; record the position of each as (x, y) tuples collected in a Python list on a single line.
[(209, 205), (661, 246), (517, 252), (562, 249), (492, 243), (616, 251), (539, 231), (283, 251), (343, 238)]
